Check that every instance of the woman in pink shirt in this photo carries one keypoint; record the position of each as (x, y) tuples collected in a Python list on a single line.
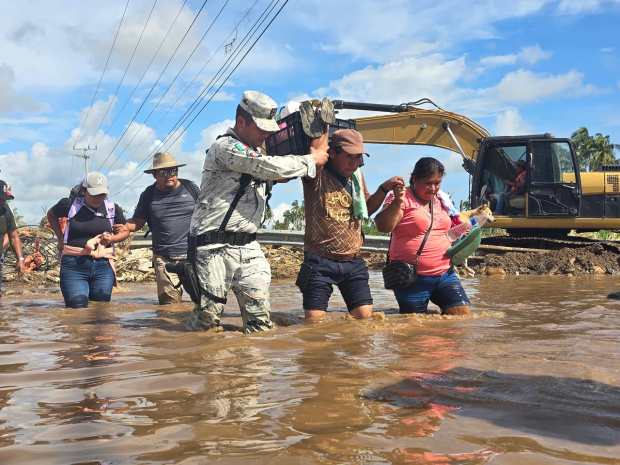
[(406, 214)]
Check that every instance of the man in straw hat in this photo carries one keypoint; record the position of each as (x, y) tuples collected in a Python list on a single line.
[(167, 207), (8, 228), (235, 183)]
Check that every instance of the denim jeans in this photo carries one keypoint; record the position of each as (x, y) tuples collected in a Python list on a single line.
[(84, 278), (444, 290), (499, 209)]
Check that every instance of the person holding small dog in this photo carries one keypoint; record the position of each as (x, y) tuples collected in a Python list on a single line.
[(407, 215)]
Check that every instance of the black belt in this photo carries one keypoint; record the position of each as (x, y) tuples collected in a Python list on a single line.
[(224, 237)]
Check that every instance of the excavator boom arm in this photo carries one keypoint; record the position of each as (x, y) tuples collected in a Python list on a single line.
[(409, 125)]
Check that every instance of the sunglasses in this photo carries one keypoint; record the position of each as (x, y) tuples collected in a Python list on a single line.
[(168, 171)]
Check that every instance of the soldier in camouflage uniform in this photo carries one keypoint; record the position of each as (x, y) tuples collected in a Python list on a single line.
[(232, 259)]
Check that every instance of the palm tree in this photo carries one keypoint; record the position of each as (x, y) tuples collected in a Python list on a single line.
[(603, 152), (582, 140), (593, 151)]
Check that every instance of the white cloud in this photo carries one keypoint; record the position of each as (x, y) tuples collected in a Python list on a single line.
[(523, 86), (25, 120), (511, 123), (403, 81), (10, 100), (529, 55), (580, 6), (385, 31), (607, 49), (278, 212), (91, 118)]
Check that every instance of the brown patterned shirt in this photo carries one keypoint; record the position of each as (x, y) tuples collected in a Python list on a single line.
[(331, 228)]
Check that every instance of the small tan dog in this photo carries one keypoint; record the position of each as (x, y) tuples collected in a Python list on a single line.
[(481, 210), (465, 216)]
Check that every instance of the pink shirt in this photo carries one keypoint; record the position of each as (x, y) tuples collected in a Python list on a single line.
[(409, 233)]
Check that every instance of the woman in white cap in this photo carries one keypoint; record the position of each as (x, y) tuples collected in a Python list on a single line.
[(86, 245)]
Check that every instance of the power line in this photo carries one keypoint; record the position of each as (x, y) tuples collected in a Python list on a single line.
[(104, 68), (190, 84), (153, 88), (168, 88), (254, 28), (123, 78), (145, 71), (222, 84)]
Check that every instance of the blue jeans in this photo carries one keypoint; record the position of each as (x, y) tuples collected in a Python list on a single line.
[(501, 204), (84, 278), (445, 291)]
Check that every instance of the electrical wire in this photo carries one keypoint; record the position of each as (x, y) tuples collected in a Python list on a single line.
[(154, 85), (118, 157), (222, 84), (101, 78), (254, 28), (188, 86), (143, 74), (123, 78)]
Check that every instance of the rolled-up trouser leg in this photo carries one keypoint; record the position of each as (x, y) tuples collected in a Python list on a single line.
[(166, 282), (251, 287), (215, 276)]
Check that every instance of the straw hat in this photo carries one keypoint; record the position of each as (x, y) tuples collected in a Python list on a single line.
[(163, 160)]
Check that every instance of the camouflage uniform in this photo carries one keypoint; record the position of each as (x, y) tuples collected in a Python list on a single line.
[(244, 269)]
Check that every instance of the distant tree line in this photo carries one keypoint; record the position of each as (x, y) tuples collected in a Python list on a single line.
[(294, 219)]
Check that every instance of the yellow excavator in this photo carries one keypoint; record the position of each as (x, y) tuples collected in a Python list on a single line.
[(558, 198)]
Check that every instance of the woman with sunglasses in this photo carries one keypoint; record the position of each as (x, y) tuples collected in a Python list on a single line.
[(167, 207), (86, 245)]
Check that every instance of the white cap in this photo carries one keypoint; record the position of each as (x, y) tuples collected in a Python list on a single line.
[(291, 107), (96, 183)]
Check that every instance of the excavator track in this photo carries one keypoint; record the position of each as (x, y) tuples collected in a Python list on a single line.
[(549, 243)]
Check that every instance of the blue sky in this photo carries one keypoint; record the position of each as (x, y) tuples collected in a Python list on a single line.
[(513, 66)]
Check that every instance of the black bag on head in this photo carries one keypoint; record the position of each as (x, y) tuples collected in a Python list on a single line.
[(398, 274)]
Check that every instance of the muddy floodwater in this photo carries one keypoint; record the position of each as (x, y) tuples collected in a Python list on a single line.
[(532, 378)]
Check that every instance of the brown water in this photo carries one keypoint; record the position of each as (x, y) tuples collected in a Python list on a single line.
[(535, 380)]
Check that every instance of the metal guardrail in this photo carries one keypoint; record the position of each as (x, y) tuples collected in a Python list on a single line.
[(292, 238)]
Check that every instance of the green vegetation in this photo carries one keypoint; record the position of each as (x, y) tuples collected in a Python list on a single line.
[(593, 151)]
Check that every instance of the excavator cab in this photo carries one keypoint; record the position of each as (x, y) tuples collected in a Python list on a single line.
[(552, 180), (558, 198)]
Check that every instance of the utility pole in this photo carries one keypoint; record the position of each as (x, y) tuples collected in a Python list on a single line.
[(85, 155)]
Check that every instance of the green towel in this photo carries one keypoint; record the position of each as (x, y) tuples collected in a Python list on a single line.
[(360, 209)]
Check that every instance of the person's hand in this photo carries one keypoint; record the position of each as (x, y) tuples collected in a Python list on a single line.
[(118, 228), (60, 245), (400, 191), (320, 157), (393, 182), (21, 268), (106, 239)]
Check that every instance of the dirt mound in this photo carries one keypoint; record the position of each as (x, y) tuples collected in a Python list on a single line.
[(591, 260)]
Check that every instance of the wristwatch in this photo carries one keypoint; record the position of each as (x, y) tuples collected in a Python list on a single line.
[(20, 259)]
